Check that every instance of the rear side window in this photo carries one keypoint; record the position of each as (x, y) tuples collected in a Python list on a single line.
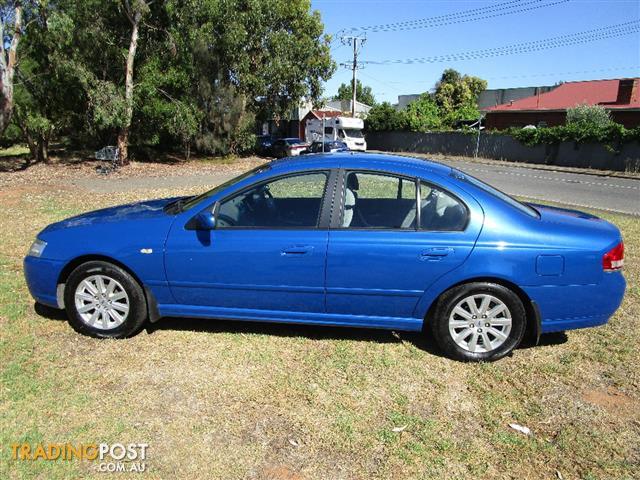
[(289, 202), (379, 201), (441, 211)]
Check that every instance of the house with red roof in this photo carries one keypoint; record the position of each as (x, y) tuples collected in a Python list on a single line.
[(620, 96)]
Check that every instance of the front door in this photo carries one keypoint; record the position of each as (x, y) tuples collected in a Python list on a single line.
[(267, 251), (393, 238)]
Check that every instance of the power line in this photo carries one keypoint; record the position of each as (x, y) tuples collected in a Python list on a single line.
[(481, 13), (578, 38)]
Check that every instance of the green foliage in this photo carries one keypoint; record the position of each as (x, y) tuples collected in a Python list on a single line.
[(383, 117), (454, 99), (423, 114), (364, 94), (203, 70), (585, 124), (613, 134), (456, 96), (589, 116)]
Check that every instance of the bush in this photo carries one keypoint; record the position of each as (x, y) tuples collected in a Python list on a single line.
[(588, 117), (423, 114), (384, 118), (611, 135)]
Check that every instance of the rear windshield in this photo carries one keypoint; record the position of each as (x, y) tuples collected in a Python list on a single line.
[(293, 141), (523, 207)]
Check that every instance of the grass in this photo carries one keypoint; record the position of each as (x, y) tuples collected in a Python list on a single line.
[(238, 400), (14, 151)]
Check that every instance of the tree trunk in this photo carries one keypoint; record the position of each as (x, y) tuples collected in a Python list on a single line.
[(43, 149), (7, 68), (123, 136)]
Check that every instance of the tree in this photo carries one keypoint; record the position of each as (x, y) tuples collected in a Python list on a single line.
[(47, 92), (364, 93), (423, 114), (456, 96), (203, 71), (384, 118), (8, 59), (135, 13)]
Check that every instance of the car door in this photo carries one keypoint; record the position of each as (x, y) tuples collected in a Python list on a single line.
[(266, 252), (391, 237)]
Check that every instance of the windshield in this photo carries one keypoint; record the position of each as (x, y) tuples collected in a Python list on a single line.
[(523, 207), (352, 132), (195, 200)]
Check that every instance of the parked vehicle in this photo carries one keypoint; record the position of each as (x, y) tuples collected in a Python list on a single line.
[(343, 129), (354, 240), (329, 147), (263, 144), (288, 147)]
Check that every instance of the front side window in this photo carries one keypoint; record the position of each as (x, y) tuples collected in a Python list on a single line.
[(374, 200), (289, 202), (440, 211)]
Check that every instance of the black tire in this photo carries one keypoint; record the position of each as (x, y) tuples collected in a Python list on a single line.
[(439, 324), (137, 303)]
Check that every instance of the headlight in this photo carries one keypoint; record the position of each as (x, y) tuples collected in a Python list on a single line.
[(37, 247)]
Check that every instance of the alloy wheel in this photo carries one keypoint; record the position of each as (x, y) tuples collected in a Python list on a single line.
[(480, 323), (102, 302)]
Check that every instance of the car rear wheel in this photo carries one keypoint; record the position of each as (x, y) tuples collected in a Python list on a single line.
[(104, 301), (479, 322)]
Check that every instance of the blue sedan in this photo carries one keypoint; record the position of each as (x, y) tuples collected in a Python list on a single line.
[(345, 239)]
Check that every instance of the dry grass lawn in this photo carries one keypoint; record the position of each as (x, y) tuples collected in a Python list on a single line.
[(223, 400)]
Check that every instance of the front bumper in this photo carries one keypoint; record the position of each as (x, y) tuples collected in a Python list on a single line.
[(41, 275)]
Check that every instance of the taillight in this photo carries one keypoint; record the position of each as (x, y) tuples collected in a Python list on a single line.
[(614, 259)]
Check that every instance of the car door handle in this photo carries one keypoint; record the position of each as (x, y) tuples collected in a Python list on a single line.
[(436, 253), (297, 250)]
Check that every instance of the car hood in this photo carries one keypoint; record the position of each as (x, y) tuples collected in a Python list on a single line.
[(131, 211)]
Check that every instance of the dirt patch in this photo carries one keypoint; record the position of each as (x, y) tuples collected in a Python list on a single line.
[(612, 400), (279, 472)]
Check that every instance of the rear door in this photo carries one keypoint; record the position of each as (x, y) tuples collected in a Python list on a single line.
[(392, 236)]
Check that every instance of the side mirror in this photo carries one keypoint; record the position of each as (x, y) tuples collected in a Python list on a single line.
[(202, 221)]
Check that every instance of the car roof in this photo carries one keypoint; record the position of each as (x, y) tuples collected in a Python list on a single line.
[(359, 160)]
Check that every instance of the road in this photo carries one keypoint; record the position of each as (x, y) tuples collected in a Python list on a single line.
[(578, 189)]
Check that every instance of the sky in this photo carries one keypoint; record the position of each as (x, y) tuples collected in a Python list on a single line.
[(605, 58)]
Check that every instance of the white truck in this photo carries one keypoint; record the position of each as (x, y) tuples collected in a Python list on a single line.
[(342, 129)]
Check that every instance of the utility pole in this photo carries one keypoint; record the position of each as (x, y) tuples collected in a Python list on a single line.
[(353, 41)]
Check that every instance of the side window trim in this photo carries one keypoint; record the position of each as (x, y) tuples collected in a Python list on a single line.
[(320, 225)]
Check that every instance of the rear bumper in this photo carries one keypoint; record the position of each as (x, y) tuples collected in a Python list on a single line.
[(578, 306), (42, 276)]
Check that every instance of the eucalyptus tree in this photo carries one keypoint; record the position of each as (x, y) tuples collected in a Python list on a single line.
[(11, 18)]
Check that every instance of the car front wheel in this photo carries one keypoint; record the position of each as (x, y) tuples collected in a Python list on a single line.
[(104, 301), (479, 322)]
